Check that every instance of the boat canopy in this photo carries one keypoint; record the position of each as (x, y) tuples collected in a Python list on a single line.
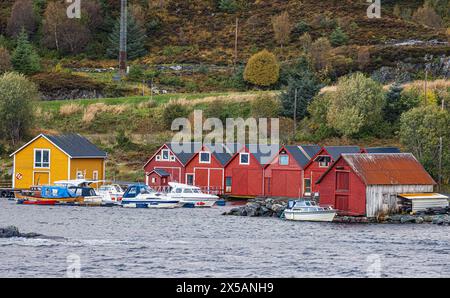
[(56, 192)]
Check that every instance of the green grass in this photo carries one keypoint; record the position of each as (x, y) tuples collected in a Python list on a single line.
[(160, 99)]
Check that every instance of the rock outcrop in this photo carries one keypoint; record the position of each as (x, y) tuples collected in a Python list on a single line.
[(260, 208), (13, 232)]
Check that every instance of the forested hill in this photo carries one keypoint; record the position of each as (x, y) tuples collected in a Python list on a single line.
[(192, 31)]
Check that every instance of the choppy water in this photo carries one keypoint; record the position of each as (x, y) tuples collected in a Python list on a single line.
[(116, 242)]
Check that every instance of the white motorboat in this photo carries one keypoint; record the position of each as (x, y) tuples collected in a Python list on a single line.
[(304, 210), (191, 196), (112, 193), (142, 196)]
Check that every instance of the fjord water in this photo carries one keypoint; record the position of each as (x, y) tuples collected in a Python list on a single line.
[(116, 242)]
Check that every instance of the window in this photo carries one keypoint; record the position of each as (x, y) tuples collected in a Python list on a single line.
[(80, 175), (153, 180), (205, 157), (190, 179), (95, 176), (324, 161), (165, 155), (42, 158), (178, 190), (244, 159), (229, 181), (284, 160), (308, 186), (187, 190)]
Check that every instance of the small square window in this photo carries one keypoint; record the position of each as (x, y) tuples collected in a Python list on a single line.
[(205, 157), (284, 160), (244, 159), (165, 155), (153, 180)]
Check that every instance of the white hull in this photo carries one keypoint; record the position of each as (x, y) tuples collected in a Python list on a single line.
[(310, 216), (151, 204)]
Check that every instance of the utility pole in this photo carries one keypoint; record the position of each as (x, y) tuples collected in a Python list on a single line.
[(441, 148), (123, 37), (295, 112), (427, 65), (236, 43)]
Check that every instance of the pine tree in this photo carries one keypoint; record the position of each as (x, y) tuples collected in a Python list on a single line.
[(302, 79), (338, 37), (135, 41), (24, 59), (394, 107)]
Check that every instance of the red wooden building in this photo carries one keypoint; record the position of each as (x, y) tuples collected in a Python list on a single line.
[(284, 175), (244, 173), (169, 161), (370, 184), (206, 168), (318, 165)]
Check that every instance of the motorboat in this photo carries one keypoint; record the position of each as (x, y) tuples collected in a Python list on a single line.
[(142, 196), (112, 193), (90, 197), (50, 195), (306, 210), (191, 196)]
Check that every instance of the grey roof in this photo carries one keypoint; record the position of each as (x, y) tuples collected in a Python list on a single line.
[(161, 172), (264, 154), (224, 152), (303, 153), (336, 151), (185, 151), (76, 146), (383, 150)]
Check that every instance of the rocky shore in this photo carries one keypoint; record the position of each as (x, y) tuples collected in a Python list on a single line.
[(274, 208), (11, 232)]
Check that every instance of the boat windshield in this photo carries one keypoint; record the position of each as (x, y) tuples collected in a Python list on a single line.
[(195, 190), (188, 190), (146, 190)]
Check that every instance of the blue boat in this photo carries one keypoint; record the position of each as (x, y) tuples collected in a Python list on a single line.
[(142, 196)]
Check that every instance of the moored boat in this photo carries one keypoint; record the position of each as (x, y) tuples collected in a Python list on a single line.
[(50, 195), (191, 196), (306, 210), (142, 196)]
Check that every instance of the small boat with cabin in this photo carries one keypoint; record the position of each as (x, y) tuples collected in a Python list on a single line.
[(142, 196), (112, 193), (51, 195), (191, 196), (307, 210)]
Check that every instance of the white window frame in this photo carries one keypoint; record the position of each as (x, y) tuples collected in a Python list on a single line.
[(42, 158), (322, 164), (193, 178), (158, 157), (279, 160), (168, 155), (200, 157), (248, 159), (95, 175), (153, 180)]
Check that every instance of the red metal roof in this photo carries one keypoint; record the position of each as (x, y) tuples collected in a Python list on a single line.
[(388, 169)]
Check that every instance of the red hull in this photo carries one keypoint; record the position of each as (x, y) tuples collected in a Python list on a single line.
[(45, 203)]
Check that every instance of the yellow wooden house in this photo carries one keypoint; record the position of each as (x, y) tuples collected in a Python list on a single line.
[(49, 158)]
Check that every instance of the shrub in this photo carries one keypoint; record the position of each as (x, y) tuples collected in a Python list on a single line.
[(173, 81), (262, 69), (172, 111), (136, 73), (229, 6), (302, 27), (24, 58), (265, 106), (427, 16), (338, 37)]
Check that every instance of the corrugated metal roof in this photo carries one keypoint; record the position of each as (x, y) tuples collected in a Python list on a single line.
[(383, 150), (76, 146), (388, 169), (336, 151), (264, 153), (303, 153)]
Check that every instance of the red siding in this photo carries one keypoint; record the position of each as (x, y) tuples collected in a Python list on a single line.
[(284, 180), (333, 190), (174, 168), (206, 176), (247, 180), (159, 181), (314, 171)]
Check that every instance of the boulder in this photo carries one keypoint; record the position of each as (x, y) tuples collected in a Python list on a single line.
[(407, 219), (11, 232)]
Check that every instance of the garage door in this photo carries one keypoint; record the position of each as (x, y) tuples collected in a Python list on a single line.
[(41, 178), (247, 182), (209, 178), (286, 183)]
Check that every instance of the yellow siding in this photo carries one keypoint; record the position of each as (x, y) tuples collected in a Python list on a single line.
[(87, 167), (24, 164)]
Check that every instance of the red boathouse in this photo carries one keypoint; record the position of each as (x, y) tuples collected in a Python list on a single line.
[(318, 165), (168, 164), (284, 175), (369, 184)]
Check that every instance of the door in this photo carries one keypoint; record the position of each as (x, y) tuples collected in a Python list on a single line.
[(41, 178), (341, 203), (286, 183)]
